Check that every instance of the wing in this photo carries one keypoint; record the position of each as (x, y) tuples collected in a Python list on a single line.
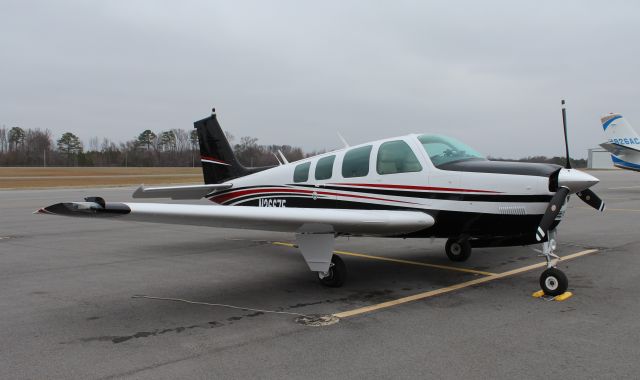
[(357, 222), (180, 192)]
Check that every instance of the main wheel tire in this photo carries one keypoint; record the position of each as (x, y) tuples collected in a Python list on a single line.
[(336, 275), (553, 282), (458, 250)]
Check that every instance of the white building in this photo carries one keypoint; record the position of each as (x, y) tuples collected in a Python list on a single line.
[(599, 158)]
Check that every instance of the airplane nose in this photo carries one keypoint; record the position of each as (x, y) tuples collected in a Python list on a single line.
[(576, 180)]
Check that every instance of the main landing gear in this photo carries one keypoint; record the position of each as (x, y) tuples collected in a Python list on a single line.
[(336, 275), (458, 249), (552, 281)]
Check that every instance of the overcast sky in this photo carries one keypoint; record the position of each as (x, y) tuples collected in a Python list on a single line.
[(491, 73)]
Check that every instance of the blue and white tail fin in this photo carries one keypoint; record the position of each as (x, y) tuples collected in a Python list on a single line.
[(620, 132), (623, 142)]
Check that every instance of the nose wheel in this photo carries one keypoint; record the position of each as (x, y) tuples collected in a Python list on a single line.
[(553, 282)]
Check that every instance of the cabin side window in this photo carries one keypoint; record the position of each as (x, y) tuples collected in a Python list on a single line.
[(301, 172), (356, 162), (324, 167), (396, 157)]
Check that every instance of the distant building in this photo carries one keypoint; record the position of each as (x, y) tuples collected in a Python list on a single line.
[(599, 159)]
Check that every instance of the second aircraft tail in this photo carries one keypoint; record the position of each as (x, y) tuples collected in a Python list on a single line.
[(620, 132)]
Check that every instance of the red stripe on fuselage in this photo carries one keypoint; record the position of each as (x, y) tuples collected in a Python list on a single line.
[(222, 198), (408, 187)]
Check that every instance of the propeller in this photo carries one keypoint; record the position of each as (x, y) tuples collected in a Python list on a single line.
[(566, 138), (590, 198), (552, 212), (566, 181)]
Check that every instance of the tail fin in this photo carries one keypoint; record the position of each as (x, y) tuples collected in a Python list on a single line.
[(219, 164), (620, 132)]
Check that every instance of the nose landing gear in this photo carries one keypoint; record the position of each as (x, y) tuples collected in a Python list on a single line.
[(552, 281)]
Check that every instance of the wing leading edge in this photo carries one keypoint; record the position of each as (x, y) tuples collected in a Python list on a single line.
[(282, 219), (180, 192)]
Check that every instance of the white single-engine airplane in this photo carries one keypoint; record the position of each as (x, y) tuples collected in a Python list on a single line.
[(623, 142), (418, 185)]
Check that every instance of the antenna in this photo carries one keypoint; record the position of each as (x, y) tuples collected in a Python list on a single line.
[(276, 156), (346, 144), (284, 159)]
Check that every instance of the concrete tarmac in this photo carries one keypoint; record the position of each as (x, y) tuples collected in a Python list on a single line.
[(66, 306)]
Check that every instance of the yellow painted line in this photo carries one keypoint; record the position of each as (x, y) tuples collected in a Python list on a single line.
[(283, 244), (448, 289), (400, 261)]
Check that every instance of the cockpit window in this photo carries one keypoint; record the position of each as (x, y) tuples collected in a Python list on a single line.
[(444, 150)]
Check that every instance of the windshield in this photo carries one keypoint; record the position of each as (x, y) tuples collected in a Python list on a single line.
[(443, 150)]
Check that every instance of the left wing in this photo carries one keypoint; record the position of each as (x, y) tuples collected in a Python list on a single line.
[(283, 219), (180, 192)]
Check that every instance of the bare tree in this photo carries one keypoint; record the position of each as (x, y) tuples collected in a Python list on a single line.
[(182, 140), (94, 144), (37, 143)]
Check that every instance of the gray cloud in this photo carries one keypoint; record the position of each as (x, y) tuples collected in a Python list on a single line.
[(491, 73)]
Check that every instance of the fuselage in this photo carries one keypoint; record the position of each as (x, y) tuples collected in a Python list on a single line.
[(469, 196)]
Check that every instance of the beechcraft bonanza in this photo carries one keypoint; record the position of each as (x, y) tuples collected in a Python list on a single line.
[(413, 186), (623, 142)]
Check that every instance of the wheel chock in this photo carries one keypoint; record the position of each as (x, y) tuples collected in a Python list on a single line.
[(562, 297)]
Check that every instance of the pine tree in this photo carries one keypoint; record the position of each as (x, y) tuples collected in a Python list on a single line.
[(146, 138)]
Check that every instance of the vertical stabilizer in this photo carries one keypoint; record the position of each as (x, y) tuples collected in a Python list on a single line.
[(620, 132), (219, 163)]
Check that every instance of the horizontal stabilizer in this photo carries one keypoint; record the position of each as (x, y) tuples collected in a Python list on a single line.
[(282, 219), (619, 149), (180, 192)]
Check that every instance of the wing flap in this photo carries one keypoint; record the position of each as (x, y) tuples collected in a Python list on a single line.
[(180, 192), (357, 222)]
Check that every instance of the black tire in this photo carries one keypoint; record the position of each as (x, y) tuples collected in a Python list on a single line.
[(553, 282), (458, 250), (337, 273)]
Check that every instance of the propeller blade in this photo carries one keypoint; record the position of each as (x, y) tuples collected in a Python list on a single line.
[(552, 212), (566, 138), (590, 198)]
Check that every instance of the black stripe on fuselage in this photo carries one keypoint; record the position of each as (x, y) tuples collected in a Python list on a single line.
[(537, 198)]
